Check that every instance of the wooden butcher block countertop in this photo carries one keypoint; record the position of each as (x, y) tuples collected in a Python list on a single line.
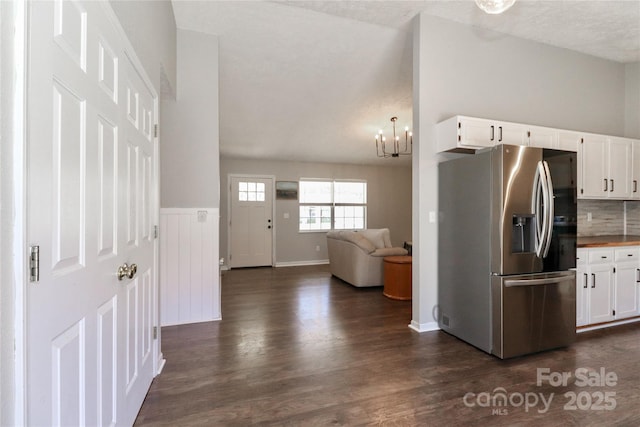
[(608, 241)]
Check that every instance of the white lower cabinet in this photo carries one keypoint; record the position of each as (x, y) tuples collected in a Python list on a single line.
[(582, 288), (607, 282), (626, 273)]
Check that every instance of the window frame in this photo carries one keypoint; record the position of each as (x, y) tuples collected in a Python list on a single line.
[(332, 205)]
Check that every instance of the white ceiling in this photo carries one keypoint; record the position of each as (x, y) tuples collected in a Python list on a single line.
[(313, 80)]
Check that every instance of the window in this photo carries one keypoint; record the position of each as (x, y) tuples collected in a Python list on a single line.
[(251, 191), (337, 205)]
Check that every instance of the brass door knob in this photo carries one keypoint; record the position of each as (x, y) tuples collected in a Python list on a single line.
[(123, 271), (128, 271), (133, 269)]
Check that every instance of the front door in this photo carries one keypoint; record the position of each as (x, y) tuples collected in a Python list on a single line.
[(91, 209), (251, 222)]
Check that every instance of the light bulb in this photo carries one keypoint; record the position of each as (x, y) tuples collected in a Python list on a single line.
[(494, 7)]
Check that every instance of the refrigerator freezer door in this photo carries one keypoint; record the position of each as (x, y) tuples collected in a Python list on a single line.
[(533, 312)]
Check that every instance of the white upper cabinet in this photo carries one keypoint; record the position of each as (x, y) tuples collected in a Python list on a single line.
[(511, 133), (620, 165), (467, 134), (476, 132), (569, 141), (594, 155), (606, 167), (635, 181), (462, 134), (543, 137)]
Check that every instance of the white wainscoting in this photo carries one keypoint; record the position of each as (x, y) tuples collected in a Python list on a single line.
[(189, 267)]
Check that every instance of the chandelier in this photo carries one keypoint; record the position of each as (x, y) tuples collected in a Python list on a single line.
[(393, 149), (494, 7)]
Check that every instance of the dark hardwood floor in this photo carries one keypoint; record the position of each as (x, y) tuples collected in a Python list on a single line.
[(297, 347)]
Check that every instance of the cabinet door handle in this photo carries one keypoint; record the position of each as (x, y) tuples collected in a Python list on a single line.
[(606, 184), (492, 132), (638, 276), (586, 280), (635, 185), (500, 137), (593, 275), (612, 182)]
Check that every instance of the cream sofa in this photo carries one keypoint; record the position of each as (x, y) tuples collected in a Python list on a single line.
[(357, 256)]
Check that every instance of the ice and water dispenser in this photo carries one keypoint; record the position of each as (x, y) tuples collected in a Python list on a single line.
[(523, 234)]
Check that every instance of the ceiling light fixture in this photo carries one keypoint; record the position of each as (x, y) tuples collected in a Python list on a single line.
[(381, 148), (494, 7)]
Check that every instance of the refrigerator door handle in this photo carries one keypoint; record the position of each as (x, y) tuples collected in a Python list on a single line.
[(549, 208), (544, 218), (540, 197), (509, 283)]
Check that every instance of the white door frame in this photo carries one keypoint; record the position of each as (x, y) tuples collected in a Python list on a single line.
[(18, 197), (273, 211), (17, 260)]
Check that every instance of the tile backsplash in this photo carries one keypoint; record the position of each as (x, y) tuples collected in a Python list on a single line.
[(607, 217), (633, 217)]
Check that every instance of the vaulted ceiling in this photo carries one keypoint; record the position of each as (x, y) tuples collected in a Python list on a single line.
[(314, 80)]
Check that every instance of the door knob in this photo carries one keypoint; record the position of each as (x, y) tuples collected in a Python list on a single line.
[(123, 271), (127, 271), (133, 269)]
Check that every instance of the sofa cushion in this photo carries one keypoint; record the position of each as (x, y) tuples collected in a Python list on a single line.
[(380, 237), (359, 240)]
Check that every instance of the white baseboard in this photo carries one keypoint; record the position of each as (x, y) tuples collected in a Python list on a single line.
[(424, 327), (161, 364), (607, 325), (190, 322), (302, 263)]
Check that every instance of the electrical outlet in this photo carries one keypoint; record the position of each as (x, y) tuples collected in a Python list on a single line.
[(589, 217), (317, 248), (286, 215), (202, 216)]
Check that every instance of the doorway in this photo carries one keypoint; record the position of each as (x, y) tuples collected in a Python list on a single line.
[(91, 305), (251, 221)]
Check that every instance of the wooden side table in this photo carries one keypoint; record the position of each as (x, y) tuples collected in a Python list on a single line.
[(397, 277)]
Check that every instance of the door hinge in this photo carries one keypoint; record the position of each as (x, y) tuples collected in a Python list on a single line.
[(155, 231), (155, 130), (155, 332), (34, 264), (614, 269), (614, 312)]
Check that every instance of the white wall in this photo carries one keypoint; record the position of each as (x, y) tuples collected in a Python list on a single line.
[(151, 29), (388, 202), (189, 155), (463, 70), (632, 100), (190, 282)]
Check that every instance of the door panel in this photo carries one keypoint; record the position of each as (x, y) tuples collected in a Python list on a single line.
[(620, 165), (534, 317), (513, 173), (251, 231), (595, 159), (84, 203)]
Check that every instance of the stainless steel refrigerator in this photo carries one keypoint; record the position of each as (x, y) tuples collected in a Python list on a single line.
[(506, 244)]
